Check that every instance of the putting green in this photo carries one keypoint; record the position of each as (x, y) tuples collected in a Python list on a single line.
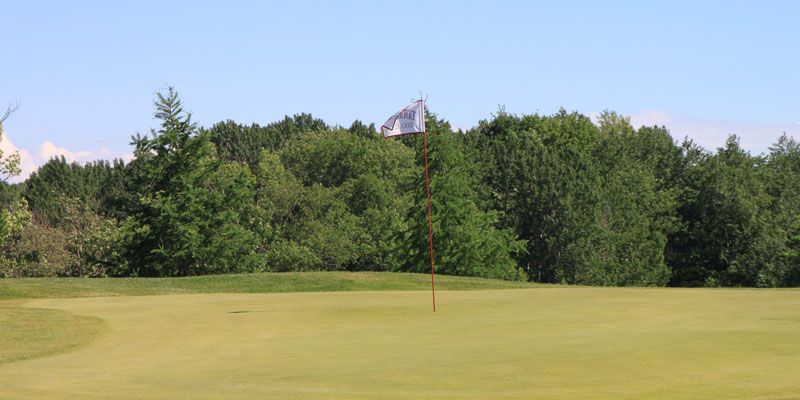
[(589, 343), (35, 332)]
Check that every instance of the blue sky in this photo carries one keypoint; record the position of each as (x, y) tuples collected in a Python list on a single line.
[(85, 75)]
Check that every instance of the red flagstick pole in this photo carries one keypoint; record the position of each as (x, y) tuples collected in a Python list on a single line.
[(430, 229)]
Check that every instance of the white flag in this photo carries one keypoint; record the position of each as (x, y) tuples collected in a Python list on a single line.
[(406, 121)]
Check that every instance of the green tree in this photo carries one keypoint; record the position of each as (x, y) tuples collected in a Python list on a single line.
[(90, 238), (100, 185), (13, 220), (729, 238), (38, 251), (539, 173), (15, 216), (351, 196), (279, 198), (368, 132), (310, 227), (782, 177), (792, 275), (612, 124), (243, 144), (194, 211), (589, 200), (638, 209), (465, 239)]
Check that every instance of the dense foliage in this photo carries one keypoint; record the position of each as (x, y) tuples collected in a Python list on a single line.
[(546, 198)]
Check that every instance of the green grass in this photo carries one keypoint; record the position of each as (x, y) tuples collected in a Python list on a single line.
[(549, 342), (33, 332), (26, 288)]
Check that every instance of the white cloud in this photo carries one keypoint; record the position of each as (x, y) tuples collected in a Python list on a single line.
[(49, 150), (456, 128), (30, 162), (650, 118), (27, 163)]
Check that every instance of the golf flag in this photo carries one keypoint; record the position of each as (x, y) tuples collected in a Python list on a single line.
[(407, 121)]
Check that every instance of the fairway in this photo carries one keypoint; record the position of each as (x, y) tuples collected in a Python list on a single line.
[(589, 343)]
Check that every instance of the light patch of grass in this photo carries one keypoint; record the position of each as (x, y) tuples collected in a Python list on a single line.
[(587, 343), (27, 333), (34, 332)]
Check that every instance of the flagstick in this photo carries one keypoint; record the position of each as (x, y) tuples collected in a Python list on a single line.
[(430, 229), (391, 127)]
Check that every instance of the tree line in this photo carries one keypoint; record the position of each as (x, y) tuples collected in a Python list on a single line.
[(546, 198)]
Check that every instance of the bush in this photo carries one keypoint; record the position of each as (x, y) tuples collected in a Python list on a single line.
[(39, 251), (284, 256)]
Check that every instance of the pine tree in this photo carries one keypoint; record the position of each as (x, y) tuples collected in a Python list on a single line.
[(192, 216)]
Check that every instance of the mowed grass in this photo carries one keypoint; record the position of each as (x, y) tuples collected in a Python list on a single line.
[(22, 288), (551, 342), (32, 332)]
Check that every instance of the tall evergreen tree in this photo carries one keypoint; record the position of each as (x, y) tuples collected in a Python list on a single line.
[(193, 214)]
